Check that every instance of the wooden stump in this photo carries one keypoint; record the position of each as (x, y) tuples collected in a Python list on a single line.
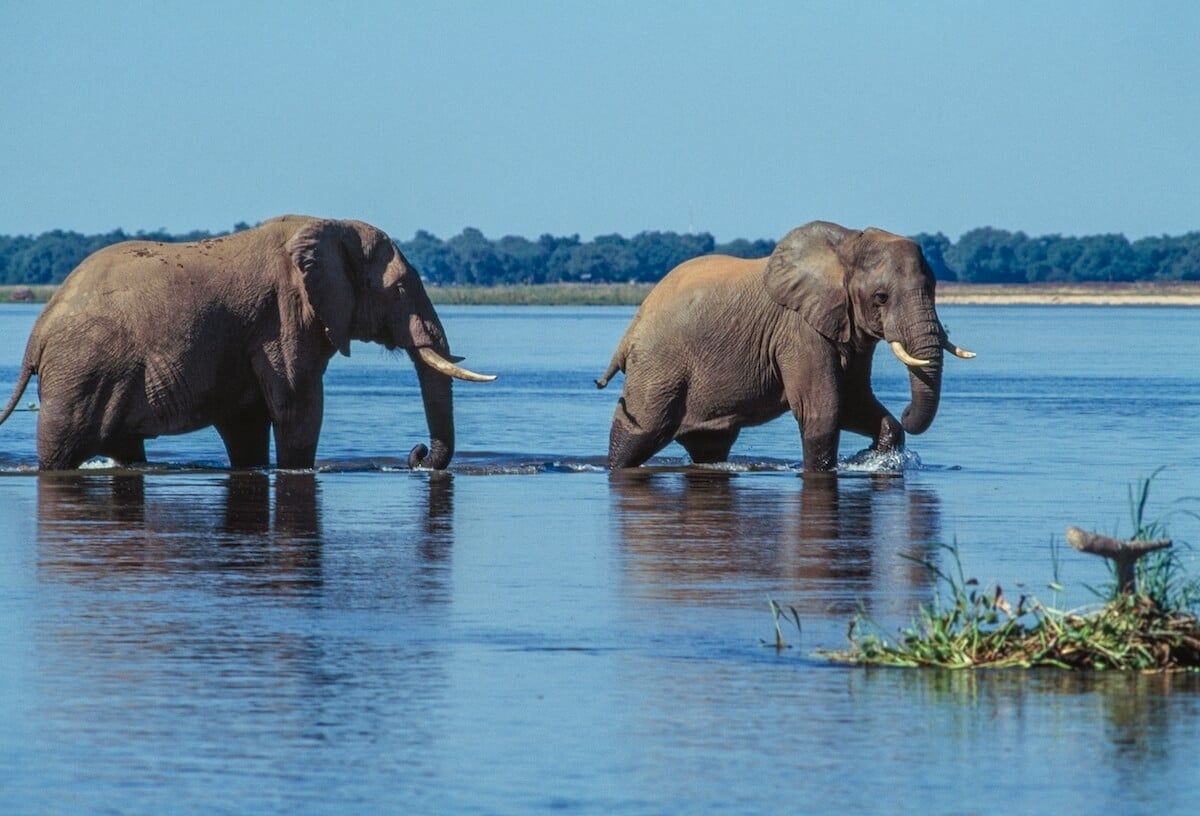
[(1122, 552)]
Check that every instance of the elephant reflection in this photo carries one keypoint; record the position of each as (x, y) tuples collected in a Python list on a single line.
[(839, 542), (104, 524), (226, 590), (255, 531)]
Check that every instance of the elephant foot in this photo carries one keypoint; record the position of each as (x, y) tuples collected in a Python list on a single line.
[(437, 459), (891, 436)]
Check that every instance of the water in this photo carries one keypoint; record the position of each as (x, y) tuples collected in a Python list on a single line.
[(529, 634)]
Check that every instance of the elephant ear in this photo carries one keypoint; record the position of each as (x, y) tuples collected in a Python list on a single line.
[(326, 255), (806, 274)]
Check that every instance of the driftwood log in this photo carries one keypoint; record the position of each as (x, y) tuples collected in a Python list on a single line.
[(1124, 553)]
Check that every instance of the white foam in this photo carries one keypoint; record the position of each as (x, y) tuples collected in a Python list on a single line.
[(873, 461), (99, 463)]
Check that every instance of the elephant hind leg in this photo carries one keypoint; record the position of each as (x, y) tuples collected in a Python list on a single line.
[(247, 437), (707, 447), (61, 446), (631, 443)]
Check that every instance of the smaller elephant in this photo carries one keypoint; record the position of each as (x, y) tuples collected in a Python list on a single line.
[(146, 338), (724, 343)]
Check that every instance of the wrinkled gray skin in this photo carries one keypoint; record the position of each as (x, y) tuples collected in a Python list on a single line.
[(146, 339), (724, 343)]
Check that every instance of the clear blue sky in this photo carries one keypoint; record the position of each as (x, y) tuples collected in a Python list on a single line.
[(742, 119)]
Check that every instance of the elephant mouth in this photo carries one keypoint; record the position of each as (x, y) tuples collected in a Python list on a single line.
[(450, 367)]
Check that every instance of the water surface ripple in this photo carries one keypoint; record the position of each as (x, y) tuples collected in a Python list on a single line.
[(530, 633)]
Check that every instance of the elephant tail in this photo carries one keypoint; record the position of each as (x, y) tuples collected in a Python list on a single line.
[(617, 364), (22, 382)]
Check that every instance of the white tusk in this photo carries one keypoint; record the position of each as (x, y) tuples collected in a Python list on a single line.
[(905, 357), (956, 351), (440, 364)]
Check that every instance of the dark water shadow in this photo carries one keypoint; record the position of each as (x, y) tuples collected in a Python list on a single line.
[(832, 542)]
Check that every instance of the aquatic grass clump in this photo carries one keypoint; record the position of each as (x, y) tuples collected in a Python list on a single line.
[(980, 628), (1149, 624)]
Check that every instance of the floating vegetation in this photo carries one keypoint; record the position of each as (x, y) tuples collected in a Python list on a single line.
[(1149, 622)]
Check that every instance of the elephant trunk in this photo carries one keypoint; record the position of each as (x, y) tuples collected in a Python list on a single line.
[(923, 340), (437, 394)]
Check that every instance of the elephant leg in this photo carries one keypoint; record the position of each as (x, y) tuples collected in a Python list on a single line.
[(126, 450), (630, 442), (863, 413), (706, 447), (814, 394), (820, 447), (869, 418), (60, 443), (247, 437), (296, 434), (293, 454)]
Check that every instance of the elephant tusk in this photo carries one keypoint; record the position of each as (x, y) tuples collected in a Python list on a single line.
[(905, 357), (440, 364), (956, 351)]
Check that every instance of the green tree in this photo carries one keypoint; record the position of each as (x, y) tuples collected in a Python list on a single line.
[(433, 260), (1105, 258), (987, 255), (934, 248), (743, 248), (657, 253), (474, 258)]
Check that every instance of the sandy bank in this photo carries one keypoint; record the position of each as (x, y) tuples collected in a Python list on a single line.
[(1096, 294)]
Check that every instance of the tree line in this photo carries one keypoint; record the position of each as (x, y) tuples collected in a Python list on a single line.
[(984, 255)]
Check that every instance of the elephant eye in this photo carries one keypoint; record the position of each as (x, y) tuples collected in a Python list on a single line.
[(881, 298)]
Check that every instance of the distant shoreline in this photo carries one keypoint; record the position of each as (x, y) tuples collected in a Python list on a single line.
[(1070, 294), (631, 294)]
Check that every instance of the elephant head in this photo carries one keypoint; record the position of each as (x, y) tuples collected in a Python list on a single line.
[(858, 287), (357, 283)]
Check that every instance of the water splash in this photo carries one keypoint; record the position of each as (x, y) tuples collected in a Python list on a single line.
[(521, 464), (873, 461), (99, 463)]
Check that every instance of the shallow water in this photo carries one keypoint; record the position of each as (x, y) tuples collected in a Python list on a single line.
[(528, 633)]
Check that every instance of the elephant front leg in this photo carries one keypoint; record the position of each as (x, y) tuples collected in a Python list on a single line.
[(891, 435), (872, 420), (247, 436), (297, 432), (812, 391), (821, 441), (820, 434)]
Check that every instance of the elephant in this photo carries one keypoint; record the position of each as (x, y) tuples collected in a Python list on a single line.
[(146, 339), (724, 343)]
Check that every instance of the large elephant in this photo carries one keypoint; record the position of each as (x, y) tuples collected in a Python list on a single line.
[(146, 339), (723, 343)]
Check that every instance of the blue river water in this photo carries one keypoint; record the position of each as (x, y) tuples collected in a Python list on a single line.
[(529, 633)]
